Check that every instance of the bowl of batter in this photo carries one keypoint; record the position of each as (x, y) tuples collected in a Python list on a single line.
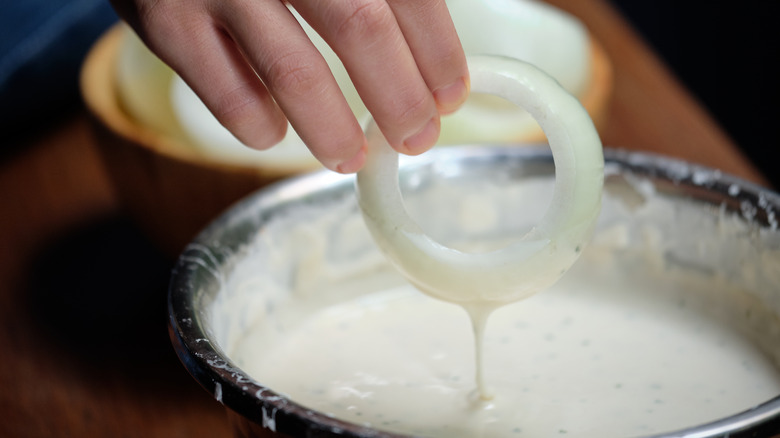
[(667, 325)]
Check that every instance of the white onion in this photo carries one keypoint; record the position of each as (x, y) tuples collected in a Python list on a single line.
[(531, 31), (540, 257)]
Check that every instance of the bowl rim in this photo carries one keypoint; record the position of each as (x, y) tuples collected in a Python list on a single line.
[(235, 389)]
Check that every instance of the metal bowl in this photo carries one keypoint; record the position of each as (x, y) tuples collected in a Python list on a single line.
[(707, 195)]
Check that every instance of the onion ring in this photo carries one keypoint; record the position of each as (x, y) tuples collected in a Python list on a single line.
[(540, 257)]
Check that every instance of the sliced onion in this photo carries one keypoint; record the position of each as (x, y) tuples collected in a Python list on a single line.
[(540, 257)]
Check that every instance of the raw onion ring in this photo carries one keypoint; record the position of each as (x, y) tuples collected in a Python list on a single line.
[(540, 257)]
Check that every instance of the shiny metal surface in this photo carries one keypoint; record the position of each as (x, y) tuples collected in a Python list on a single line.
[(258, 411)]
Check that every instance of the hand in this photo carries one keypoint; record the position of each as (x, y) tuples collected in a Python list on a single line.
[(253, 66)]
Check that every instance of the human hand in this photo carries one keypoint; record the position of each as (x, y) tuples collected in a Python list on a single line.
[(254, 67)]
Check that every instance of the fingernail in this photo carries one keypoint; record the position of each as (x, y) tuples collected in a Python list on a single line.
[(353, 164), (450, 97), (424, 138)]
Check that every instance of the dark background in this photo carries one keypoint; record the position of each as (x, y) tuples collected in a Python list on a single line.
[(726, 54)]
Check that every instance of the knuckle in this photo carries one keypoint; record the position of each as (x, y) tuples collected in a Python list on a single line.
[(235, 108), (158, 14), (243, 115), (367, 17), (162, 22), (419, 7), (292, 74), (414, 108)]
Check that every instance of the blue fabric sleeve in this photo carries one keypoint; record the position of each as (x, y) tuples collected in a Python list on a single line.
[(42, 46)]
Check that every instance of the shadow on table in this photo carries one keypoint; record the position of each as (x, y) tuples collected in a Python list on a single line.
[(99, 296)]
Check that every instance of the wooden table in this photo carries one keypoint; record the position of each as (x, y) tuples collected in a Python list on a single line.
[(82, 292)]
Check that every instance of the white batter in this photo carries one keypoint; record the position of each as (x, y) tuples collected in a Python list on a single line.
[(627, 343), (600, 354)]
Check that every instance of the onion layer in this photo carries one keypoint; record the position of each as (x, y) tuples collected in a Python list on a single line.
[(540, 257)]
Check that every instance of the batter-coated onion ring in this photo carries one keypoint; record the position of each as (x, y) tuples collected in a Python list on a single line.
[(540, 257)]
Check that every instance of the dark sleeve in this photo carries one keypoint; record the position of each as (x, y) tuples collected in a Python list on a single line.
[(42, 46)]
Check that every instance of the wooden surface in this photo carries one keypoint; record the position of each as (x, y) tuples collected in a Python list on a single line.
[(82, 292)]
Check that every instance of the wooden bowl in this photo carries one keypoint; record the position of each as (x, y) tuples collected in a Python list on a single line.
[(169, 187)]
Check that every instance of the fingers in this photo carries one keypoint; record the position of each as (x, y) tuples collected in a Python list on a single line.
[(252, 65), (431, 36), (370, 42), (207, 59), (299, 79)]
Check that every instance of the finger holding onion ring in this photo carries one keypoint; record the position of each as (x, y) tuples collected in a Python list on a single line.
[(540, 257)]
